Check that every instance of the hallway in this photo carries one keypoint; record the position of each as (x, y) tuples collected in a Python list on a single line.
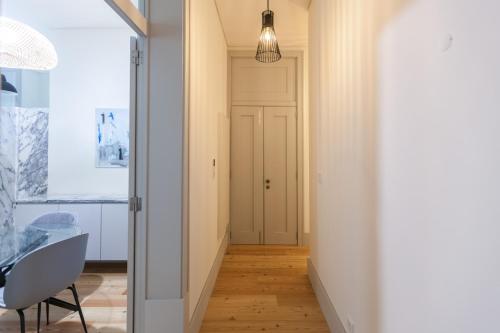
[(264, 288)]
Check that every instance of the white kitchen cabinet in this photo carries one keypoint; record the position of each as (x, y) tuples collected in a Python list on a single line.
[(24, 214), (114, 241), (89, 218), (106, 224)]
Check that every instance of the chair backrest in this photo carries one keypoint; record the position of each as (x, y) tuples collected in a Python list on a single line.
[(45, 272), (55, 219)]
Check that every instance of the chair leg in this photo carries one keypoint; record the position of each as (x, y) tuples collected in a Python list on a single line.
[(75, 295), (38, 315), (21, 318), (47, 311)]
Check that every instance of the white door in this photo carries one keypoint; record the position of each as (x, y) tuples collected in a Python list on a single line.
[(263, 175), (280, 175), (136, 266), (247, 204)]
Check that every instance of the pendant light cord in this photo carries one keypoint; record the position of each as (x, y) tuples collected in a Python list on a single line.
[(267, 4)]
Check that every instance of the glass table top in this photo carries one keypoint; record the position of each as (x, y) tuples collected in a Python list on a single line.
[(16, 242)]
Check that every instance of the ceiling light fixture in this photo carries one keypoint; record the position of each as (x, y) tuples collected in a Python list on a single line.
[(268, 50), (25, 48)]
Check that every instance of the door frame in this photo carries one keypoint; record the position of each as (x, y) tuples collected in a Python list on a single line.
[(160, 295), (298, 55), (136, 270), (132, 15)]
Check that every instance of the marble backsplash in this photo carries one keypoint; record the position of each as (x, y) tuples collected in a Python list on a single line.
[(23, 157)]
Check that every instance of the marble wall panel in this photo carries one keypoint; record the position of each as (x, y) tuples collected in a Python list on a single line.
[(32, 153)]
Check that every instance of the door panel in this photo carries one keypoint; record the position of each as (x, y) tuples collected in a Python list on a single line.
[(256, 83), (136, 242), (246, 175), (280, 173)]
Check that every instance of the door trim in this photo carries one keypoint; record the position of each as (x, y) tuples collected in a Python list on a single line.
[(299, 56), (131, 15)]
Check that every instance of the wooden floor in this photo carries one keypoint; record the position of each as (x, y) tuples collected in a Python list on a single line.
[(264, 288), (259, 288), (104, 300)]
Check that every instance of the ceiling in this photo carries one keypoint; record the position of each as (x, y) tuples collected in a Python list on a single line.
[(241, 21), (58, 14)]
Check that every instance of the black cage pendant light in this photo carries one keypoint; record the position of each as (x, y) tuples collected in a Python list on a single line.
[(268, 50)]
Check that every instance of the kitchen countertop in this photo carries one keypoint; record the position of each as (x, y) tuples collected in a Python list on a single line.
[(74, 199)]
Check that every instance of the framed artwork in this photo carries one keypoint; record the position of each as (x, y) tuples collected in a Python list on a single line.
[(112, 148)]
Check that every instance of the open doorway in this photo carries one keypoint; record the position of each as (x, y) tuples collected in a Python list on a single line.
[(248, 169), (68, 149)]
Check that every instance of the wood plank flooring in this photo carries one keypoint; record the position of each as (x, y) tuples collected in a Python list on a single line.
[(259, 288), (264, 288), (104, 301)]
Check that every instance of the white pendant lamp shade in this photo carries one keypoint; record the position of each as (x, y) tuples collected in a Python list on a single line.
[(25, 48)]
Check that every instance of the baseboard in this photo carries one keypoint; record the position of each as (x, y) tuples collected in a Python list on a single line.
[(105, 267), (201, 307), (324, 300)]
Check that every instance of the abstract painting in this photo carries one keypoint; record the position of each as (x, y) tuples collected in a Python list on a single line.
[(112, 138)]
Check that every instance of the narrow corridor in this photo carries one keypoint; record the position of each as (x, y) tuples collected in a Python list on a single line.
[(264, 288)]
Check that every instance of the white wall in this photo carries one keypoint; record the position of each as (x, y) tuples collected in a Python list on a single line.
[(208, 121), (93, 72), (343, 235), (404, 170), (306, 144), (439, 167)]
